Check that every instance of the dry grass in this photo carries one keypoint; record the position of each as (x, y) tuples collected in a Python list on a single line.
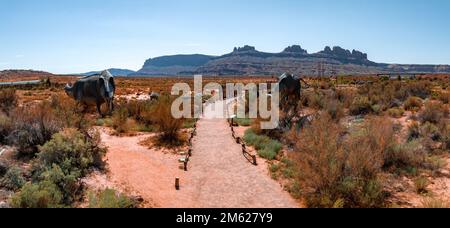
[(335, 172), (8, 100)]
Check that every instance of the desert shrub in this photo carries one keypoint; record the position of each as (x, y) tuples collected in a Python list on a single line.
[(13, 179), (33, 127), (396, 112), (8, 100), (4, 167), (360, 106), (379, 134), (41, 195), (120, 120), (430, 131), (5, 127), (337, 172), (66, 158), (413, 104), (161, 116), (420, 89), (433, 112), (445, 131), (139, 110), (66, 178), (345, 96), (69, 112), (421, 185), (405, 156), (335, 109), (444, 97), (72, 150), (313, 100), (243, 121), (109, 198), (267, 147), (413, 131)]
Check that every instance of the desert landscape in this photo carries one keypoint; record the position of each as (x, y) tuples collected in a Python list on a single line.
[(224, 112), (369, 141)]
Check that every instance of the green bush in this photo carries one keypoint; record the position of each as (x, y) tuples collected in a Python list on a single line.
[(66, 158), (70, 149), (243, 121), (109, 198), (66, 179), (13, 179), (41, 195), (267, 147)]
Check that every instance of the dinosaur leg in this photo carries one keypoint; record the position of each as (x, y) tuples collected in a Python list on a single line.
[(99, 109)]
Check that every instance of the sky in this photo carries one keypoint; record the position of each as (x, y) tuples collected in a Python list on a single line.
[(72, 36)]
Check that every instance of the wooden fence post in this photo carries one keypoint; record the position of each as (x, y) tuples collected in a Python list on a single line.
[(254, 160), (177, 183)]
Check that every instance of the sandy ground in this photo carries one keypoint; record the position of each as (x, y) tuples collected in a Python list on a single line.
[(148, 173), (223, 178), (218, 176)]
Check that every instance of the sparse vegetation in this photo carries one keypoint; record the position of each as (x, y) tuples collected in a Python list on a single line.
[(360, 106), (396, 112), (421, 185), (110, 198), (8, 100), (41, 195), (60, 164), (267, 147), (120, 121), (435, 203), (433, 112), (413, 104), (13, 179), (337, 172), (168, 126), (243, 121)]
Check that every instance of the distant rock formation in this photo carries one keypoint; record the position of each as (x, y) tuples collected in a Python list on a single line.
[(343, 53), (173, 65), (246, 48), (295, 49), (248, 60)]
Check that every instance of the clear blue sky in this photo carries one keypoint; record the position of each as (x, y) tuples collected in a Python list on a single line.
[(66, 36)]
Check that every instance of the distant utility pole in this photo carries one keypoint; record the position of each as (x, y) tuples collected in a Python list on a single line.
[(321, 69)]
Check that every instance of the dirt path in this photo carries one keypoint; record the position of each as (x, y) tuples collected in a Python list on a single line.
[(144, 172), (219, 176), (222, 177)]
